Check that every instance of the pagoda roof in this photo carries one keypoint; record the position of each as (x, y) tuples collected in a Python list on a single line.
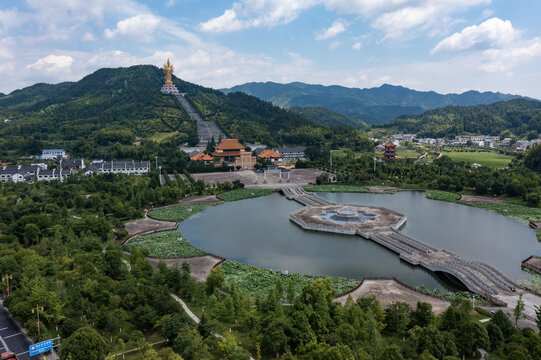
[(229, 144), (390, 143), (201, 156), (270, 154)]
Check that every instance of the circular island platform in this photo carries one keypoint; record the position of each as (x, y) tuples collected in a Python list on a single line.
[(348, 219)]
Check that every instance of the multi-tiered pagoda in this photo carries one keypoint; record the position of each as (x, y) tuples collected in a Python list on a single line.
[(389, 153)]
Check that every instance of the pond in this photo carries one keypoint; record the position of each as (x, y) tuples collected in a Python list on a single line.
[(258, 232)]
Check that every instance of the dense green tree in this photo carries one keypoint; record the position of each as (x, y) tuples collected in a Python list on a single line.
[(84, 344)]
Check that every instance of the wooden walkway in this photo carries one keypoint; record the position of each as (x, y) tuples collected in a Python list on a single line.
[(478, 277)]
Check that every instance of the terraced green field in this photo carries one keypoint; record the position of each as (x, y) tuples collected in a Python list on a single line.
[(242, 194), (259, 281), (177, 212), (165, 245)]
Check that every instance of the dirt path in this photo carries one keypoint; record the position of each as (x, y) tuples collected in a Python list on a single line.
[(480, 199), (390, 290), (381, 189), (200, 266), (146, 225)]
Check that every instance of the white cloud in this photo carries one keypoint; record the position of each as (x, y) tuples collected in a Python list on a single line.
[(497, 44), (89, 37), (139, 27), (501, 60), (261, 13), (52, 63), (492, 33), (170, 3), (338, 27), (393, 17), (357, 46)]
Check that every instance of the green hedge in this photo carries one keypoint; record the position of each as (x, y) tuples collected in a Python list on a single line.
[(165, 245), (242, 194), (259, 281), (177, 212)]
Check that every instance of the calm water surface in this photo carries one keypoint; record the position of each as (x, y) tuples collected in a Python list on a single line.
[(258, 232)]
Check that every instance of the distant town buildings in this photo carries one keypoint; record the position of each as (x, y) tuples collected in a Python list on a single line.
[(54, 174), (487, 141), (118, 167), (51, 154)]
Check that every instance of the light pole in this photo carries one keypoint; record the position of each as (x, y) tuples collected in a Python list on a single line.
[(331, 158), (36, 311), (6, 278), (156, 161)]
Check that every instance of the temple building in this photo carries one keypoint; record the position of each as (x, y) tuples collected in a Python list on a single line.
[(272, 155), (389, 152), (232, 152), (201, 156)]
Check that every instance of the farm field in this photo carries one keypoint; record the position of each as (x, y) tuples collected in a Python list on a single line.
[(488, 159), (165, 245)]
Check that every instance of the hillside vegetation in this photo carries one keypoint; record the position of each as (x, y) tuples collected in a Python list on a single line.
[(520, 117), (327, 117), (373, 106), (120, 113)]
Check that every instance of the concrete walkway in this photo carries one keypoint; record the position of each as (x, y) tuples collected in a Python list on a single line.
[(186, 309), (192, 315)]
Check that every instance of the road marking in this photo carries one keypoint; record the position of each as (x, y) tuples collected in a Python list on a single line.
[(4, 343), (7, 337), (4, 328)]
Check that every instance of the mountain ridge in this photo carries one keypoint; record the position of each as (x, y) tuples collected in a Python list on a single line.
[(520, 117), (370, 105)]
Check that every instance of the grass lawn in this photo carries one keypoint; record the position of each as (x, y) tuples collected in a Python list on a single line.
[(160, 136), (177, 212), (259, 281), (405, 153), (488, 159), (165, 245), (242, 194)]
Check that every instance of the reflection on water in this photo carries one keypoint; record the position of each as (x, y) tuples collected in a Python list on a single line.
[(258, 232)]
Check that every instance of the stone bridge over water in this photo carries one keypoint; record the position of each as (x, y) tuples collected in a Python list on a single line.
[(382, 226)]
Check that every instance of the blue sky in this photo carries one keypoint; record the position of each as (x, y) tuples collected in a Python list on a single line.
[(441, 45)]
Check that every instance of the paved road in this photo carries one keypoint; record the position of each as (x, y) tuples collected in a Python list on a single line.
[(11, 339)]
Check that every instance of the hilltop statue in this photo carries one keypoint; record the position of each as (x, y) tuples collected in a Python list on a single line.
[(168, 71), (169, 87)]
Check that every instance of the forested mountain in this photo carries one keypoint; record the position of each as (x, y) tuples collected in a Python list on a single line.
[(374, 105), (520, 117), (33, 94), (327, 117), (114, 113)]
